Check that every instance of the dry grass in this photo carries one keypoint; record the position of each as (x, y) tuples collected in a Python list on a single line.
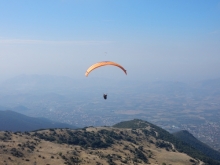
[(35, 151)]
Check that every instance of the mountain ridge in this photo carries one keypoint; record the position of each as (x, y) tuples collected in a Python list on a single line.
[(133, 132), (13, 121), (191, 140), (181, 145), (90, 145)]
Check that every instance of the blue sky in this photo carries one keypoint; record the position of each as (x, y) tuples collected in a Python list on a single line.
[(152, 39)]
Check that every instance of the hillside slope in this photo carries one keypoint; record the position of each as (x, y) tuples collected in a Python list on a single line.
[(13, 121), (131, 142), (95, 146), (162, 134), (191, 140)]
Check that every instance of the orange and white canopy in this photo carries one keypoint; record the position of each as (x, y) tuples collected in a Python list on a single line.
[(103, 63)]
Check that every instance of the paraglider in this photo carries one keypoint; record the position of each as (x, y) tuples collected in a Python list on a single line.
[(104, 63)]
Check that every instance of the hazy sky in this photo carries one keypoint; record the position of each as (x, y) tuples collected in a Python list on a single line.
[(153, 39)]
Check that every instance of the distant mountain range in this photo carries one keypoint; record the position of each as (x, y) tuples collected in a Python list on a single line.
[(50, 83), (13, 121)]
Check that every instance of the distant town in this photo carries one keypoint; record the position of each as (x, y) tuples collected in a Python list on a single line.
[(197, 115), (171, 105)]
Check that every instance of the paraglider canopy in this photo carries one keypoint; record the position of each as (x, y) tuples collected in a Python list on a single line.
[(103, 63)]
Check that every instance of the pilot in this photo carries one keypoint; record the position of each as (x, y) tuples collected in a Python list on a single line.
[(105, 96)]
